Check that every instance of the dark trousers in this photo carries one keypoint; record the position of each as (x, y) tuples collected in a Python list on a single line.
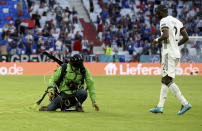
[(65, 101)]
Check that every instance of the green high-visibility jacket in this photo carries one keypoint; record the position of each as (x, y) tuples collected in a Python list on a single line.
[(74, 76)]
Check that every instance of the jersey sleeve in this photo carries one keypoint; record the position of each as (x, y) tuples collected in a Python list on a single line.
[(55, 77), (164, 25)]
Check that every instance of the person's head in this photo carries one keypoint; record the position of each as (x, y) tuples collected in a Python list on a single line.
[(76, 61), (161, 11)]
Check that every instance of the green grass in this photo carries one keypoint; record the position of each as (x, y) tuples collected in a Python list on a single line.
[(124, 106)]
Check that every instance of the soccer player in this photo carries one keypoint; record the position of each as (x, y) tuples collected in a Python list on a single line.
[(171, 29)]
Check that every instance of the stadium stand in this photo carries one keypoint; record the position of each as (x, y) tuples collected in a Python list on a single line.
[(44, 26), (129, 25)]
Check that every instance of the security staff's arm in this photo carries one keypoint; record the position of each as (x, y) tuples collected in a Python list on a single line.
[(55, 77), (91, 89), (185, 36), (52, 84)]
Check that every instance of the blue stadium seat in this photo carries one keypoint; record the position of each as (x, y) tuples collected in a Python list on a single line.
[(1, 25)]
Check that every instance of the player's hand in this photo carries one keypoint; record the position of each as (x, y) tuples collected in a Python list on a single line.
[(155, 42), (51, 94), (95, 106)]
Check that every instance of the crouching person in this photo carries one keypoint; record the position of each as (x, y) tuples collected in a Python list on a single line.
[(66, 87)]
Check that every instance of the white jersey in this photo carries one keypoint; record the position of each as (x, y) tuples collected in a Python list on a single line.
[(170, 46)]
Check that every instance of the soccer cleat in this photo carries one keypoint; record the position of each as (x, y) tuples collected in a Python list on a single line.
[(156, 110), (184, 109)]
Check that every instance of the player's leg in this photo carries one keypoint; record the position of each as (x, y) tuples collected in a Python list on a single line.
[(163, 96), (176, 91), (164, 88), (173, 87), (185, 104), (163, 93)]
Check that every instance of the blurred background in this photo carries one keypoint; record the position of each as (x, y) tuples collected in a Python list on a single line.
[(100, 30)]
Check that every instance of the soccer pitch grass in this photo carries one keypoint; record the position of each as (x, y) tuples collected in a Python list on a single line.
[(124, 103)]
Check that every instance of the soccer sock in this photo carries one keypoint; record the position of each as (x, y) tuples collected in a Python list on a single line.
[(163, 95), (176, 91)]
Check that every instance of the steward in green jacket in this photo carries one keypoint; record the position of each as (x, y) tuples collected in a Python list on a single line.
[(66, 86)]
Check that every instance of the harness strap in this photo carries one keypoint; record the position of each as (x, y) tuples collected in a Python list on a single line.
[(63, 73)]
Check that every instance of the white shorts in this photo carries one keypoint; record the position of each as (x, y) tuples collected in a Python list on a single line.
[(168, 65)]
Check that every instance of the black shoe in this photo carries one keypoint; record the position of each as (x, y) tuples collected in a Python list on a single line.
[(43, 108), (79, 108)]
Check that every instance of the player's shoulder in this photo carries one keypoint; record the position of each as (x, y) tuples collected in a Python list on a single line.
[(169, 19), (165, 20), (177, 22), (175, 19)]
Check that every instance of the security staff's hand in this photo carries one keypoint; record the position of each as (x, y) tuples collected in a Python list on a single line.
[(51, 94), (95, 106)]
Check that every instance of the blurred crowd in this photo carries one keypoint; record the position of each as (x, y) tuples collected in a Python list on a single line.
[(56, 30), (127, 24), (132, 25)]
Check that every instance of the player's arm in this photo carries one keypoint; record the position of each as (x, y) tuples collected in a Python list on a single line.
[(164, 36), (185, 36)]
